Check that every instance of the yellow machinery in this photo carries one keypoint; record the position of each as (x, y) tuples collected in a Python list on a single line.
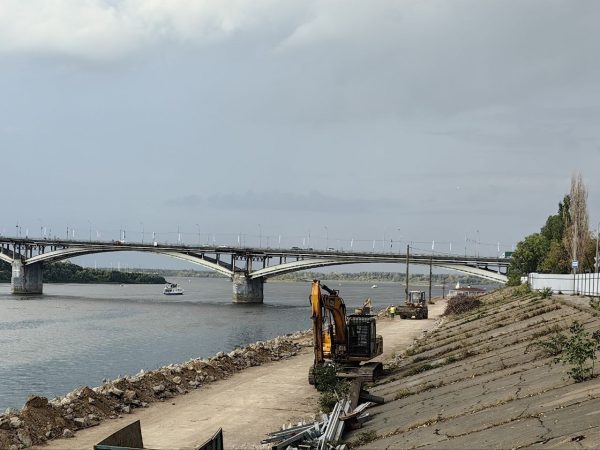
[(346, 341), (415, 307)]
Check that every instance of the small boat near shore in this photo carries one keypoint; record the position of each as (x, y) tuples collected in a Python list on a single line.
[(172, 289), (374, 286)]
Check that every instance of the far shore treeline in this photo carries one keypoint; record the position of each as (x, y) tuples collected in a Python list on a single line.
[(66, 272)]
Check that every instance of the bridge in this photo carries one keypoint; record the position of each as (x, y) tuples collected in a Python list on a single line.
[(248, 268)]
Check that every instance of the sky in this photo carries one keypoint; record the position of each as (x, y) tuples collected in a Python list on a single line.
[(297, 123)]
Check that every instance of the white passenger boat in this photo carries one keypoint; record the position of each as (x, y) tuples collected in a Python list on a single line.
[(172, 289)]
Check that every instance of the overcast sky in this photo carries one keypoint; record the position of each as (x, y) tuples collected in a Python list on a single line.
[(409, 120)]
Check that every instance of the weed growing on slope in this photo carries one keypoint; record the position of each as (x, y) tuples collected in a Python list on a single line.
[(577, 350)]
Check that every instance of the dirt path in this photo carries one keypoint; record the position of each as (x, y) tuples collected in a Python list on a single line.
[(247, 405)]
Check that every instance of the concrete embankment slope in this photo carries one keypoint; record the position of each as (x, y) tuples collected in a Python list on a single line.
[(472, 384)]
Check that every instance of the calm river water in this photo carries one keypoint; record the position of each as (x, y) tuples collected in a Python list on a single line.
[(79, 334)]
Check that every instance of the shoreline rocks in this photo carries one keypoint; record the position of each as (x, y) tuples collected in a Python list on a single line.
[(41, 419)]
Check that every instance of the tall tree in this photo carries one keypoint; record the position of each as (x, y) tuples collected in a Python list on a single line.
[(577, 233)]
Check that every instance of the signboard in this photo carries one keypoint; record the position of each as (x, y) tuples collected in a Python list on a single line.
[(574, 264)]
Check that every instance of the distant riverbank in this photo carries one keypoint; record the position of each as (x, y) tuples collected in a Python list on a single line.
[(65, 272)]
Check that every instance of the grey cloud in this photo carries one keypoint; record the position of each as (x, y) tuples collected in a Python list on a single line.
[(313, 201)]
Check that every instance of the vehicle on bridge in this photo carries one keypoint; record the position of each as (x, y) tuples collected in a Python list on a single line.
[(347, 342), (415, 307), (172, 289)]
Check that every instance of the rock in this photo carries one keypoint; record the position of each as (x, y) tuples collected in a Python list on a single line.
[(81, 422), (144, 405), (91, 401), (15, 422), (49, 434), (69, 410), (65, 401), (36, 402), (159, 388), (116, 392), (177, 380), (25, 438), (181, 390), (130, 395), (126, 409), (93, 417), (67, 433), (4, 424)]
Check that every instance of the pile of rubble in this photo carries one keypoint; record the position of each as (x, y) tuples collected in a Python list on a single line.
[(42, 419), (322, 434)]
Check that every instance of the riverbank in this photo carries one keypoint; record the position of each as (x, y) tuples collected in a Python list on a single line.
[(247, 403), (481, 381)]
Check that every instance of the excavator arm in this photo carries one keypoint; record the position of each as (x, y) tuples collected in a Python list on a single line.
[(331, 306)]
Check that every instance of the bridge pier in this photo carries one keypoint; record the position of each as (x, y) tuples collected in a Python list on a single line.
[(247, 290), (26, 279)]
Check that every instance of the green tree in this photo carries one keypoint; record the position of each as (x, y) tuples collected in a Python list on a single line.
[(528, 257), (557, 259), (554, 229)]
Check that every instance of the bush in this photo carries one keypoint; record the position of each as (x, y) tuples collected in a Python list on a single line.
[(580, 348), (461, 304), (523, 289), (327, 401), (331, 387), (546, 292), (577, 350)]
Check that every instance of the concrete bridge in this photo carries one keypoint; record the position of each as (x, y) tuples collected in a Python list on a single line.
[(248, 268)]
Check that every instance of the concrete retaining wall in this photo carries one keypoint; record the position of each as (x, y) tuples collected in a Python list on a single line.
[(582, 284)]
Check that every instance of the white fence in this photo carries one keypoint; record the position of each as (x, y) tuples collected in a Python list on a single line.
[(582, 283)]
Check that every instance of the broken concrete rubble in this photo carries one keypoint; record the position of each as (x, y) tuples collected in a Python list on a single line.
[(42, 419)]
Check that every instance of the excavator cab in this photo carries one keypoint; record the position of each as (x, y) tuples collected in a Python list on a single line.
[(362, 337)]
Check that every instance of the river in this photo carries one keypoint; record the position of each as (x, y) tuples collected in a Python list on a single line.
[(79, 334)]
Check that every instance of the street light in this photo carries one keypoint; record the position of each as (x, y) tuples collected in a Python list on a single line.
[(259, 236), (198, 226), (142, 224)]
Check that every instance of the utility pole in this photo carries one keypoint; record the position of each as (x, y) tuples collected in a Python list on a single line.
[(430, 274), (407, 264), (597, 238)]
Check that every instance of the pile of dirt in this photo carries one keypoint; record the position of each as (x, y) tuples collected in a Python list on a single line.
[(41, 419)]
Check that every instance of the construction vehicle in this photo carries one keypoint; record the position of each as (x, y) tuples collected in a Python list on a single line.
[(415, 307), (347, 342)]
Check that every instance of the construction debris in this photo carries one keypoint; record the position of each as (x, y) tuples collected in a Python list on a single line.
[(323, 434), (41, 419)]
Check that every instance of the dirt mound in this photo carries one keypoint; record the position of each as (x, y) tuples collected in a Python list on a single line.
[(40, 419)]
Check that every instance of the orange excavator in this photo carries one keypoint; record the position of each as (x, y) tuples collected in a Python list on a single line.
[(347, 342)]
